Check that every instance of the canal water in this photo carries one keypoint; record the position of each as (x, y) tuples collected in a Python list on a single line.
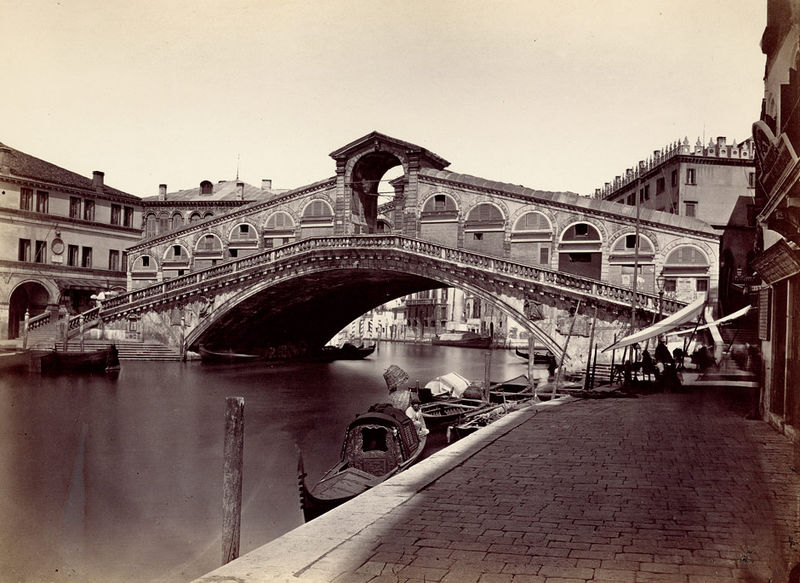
[(121, 479)]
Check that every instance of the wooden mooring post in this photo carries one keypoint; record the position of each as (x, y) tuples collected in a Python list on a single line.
[(232, 478)]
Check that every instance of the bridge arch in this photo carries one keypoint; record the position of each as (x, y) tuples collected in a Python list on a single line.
[(687, 270), (364, 173), (580, 250)]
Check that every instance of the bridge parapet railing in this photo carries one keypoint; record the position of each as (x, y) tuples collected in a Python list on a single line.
[(462, 257), (39, 320)]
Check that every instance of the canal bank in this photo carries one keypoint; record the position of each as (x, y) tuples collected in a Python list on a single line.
[(662, 487)]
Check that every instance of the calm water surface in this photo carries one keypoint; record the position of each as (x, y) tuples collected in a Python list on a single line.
[(121, 480)]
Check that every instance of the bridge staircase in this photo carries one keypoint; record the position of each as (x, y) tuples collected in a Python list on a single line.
[(127, 350)]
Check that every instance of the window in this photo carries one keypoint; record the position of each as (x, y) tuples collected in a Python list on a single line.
[(644, 193), (72, 255), (24, 253), (88, 210), (631, 199), (194, 218), (674, 178), (580, 257), (145, 261), (691, 209), (41, 252), (244, 228), (581, 230), (670, 285), (234, 253), (660, 186), (477, 236), (702, 285), (630, 241), (116, 214), (26, 199), (124, 266), (42, 201), (176, 250), (128, 219), (690, 176), (751, 179), (150, 225), (544, 255), (113, 260), (439, 202), (86, 258), (74, 207)]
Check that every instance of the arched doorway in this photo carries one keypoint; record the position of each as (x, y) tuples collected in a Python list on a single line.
[(367, 177), (30, 296)]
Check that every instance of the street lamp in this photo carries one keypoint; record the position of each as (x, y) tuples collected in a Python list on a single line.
[(660, 283)]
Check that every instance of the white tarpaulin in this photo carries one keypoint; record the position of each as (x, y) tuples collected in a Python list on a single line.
[(727, 318), (682, 316), (451, 383)]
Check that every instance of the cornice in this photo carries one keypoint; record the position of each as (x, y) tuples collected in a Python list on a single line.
[(28, 268), (86, 192), (55, 220), (567, 206)]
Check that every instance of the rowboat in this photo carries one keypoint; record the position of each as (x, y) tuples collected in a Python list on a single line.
[(449, 411), (225, 357), (462, 339), (540, 356), (377, 445), (103, 360), (516, 389)]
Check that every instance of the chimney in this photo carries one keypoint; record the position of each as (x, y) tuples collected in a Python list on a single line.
[(240, 186), (5, 159), (162, 192), (266, 184), (97, 180)]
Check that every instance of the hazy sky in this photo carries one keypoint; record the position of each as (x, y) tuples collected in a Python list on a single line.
[(554, 95)]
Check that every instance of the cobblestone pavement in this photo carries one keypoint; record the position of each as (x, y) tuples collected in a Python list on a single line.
[(665, 487)]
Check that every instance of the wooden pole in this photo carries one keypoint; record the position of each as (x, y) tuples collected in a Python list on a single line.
[(564, 353), (531, 343), (80, 320), (589, 353), (487, 369), (232, 478), (594, 368)]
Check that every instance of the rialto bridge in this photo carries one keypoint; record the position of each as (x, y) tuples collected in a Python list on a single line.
[(284, 275)]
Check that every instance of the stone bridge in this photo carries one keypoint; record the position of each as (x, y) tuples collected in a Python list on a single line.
[(284, 275)]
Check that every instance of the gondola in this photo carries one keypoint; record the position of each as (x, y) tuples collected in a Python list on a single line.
[(449, 411), (539, 356), (105, 360), (516, 389), (377, 445), (225, 357), (346, 351)]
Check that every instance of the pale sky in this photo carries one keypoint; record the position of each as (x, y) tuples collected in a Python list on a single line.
[(553, 95)]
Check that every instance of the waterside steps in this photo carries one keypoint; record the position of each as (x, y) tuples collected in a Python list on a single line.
[(125, 350)]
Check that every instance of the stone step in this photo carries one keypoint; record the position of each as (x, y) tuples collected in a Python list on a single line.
[(129, 350)]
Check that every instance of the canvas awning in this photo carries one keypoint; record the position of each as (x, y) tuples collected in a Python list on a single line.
[(727, 318), (449, 384), (682, 316)]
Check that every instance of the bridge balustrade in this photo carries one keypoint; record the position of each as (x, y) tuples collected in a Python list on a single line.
[(459, 256)]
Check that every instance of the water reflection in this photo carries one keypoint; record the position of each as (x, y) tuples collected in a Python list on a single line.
[(120, 479)]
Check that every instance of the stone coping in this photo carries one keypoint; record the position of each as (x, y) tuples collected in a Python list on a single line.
[(304, 548)]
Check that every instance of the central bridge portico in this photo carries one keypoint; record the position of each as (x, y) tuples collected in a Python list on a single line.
[(285, 274)]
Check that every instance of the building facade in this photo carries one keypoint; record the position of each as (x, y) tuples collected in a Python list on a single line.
[(777, 139), (63, 238), (713, 182)]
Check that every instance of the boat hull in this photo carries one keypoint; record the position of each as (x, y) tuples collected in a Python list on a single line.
[(214, 357), (97, 361)]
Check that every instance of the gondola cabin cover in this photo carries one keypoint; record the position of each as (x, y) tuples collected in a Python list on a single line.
[(377, 445)]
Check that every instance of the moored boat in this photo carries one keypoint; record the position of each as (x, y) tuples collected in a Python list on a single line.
[(224, 357), (15, 360), (462, 339), (346, 351), (517, 389), (377, 445), (540, 356), (449, 411), (95, 361)]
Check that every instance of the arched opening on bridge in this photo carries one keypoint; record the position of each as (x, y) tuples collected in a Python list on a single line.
[(439, 219), (30, 296), (317, 220), (579, 251), (278, 230), (208, 251), (372, 186), (532, 239), (175, 262), (624, 258), (484, 229), (144, 271), (242, 240), (686, 273)]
